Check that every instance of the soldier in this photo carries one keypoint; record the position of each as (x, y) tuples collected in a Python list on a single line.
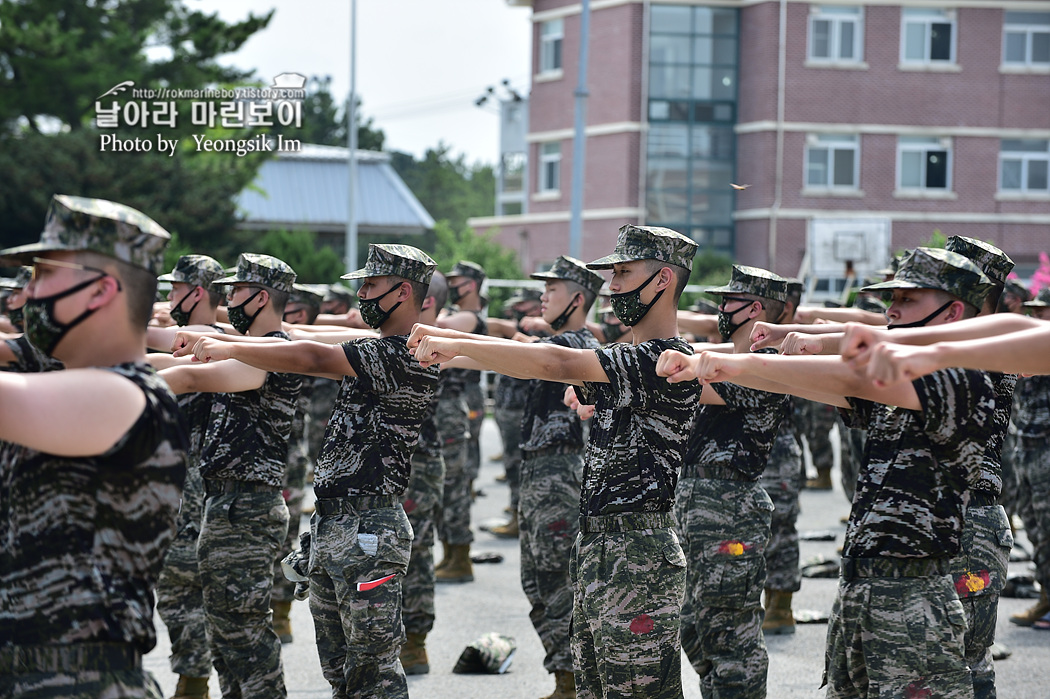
[(464, 292), (360, 535), (782, 480), (509, 403), (180, 597), (17, 353), (15, 300), (88, 510), (304, 304), (623, 643), (907, 516), (244, 452), (422, 504), (723, 514)]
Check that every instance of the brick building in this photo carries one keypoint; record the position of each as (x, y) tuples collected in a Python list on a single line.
[(859, 128)]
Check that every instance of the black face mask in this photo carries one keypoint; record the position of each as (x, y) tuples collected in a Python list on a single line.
[(15, 315), (924, 321), (372, 314), (726, 326), (41, 328), (180, 316), (612, 331), (454, 293), (628, 306), (559, 322), (239, 318)]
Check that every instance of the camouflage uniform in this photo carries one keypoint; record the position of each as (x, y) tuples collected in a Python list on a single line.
[(817, 424), (28, 359), (360, 535), (180, 597), (294, 485), (782, 481), (627, 568), (82, 539), (907, 520), (244, 453), (1032, 458), (509, 407), (453, 524), (472, 388), (422, 504), (551, 472)]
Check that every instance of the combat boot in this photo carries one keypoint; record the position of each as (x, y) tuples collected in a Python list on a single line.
[(459, 568), (821, 482), (780, 620), (446, 556), (282, 624), (1034, 613), (191, 688), (508, 530), (414, 654), (564, 685)]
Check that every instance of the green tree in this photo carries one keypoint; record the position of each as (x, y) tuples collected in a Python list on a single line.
[(448, 188), (709, 269), (324, 120), (312, 264), (499, 262), (57, 57)]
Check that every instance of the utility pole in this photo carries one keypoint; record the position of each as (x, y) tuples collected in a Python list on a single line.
[(351, 145), (579, 138)]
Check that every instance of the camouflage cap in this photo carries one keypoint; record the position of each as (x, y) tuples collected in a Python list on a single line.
[(649, 243), (402, 261), (97, 225), (704, 307), (308, 294), (572, 270), (339, 292), (1018, 290), (995, 263), (466, 268), (795, 287), (1041, 300), (198, 270), (21, 279), (755, 281), (490, 654), (525, 293), (865, 302), (263, 270), (935, 268)]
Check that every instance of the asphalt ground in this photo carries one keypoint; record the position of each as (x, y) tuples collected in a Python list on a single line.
[(495, 602)]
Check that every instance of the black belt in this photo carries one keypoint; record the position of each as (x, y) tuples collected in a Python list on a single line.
[(627, 521), (353, 505), (71, 658), (223, 486), (853, 568), (982, 498)]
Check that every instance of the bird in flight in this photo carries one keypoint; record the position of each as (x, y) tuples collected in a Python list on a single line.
[(739, 186)]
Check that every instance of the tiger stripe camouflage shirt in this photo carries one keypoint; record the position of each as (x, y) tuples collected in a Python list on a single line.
[(547, 422)]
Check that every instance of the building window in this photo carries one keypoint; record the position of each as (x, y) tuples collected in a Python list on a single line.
[(1024, 165), (550, 167), (836, 34), (1026, 38), (832, 161), (551, 34), (924, 163), (928, 36)]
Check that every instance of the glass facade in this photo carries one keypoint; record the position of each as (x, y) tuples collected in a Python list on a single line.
[(691, 150)]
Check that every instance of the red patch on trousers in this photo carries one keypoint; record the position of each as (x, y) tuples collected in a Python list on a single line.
[(968, 583), (409, 505), (556, 527), (917, 691), (642, 624)]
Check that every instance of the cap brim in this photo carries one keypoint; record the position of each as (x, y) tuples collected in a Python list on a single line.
[(6, 283), (1035, 304), (894, 284), (23, 253), (545, 275), (362, 273), (231, 280), (723, 290), (608, 261)]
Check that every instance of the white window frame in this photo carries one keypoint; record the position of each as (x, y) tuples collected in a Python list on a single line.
[(552, 35), (927, 17), (1025, 158), (924, 145), (832, 143), (1028, 30), (820, 13), (550, 168)]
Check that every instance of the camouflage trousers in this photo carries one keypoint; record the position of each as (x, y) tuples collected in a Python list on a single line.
[(897, 637), (780, 481), (294, 491), (852, 442), (724, 526), (1009, 498), (180, 603), (240, 536), (357, 561), (549, 520), (454, 523), (1032, 460), (422, 502), (80, 671), (628, 586), (816, 426), (979, 572), (509, 422), (476, 404)]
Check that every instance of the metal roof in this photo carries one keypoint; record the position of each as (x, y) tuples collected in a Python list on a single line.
[(308, 190)]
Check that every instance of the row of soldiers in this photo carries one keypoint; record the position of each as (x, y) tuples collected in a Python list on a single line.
[(653, 539)]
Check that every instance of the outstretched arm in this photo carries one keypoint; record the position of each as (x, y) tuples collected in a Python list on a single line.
[(298, 357), (523, 360)]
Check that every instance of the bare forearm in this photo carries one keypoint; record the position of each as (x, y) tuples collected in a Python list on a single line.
[(528, 360), (840, 315), (298, 357), (1014, 353)]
